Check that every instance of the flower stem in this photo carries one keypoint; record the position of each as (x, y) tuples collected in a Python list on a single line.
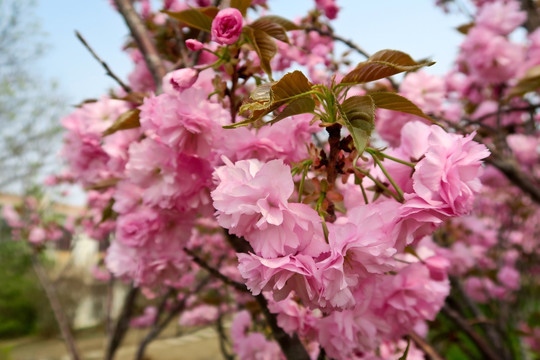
[(396, 186), (376, 152)]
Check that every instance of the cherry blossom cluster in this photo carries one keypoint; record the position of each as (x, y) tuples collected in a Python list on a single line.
[(350, 246)]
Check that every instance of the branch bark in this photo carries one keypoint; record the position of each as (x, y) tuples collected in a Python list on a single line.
[(122, 323), (425, 346), (480, 342), (108, 70), (56, 306), (516, 176), (143, 40)]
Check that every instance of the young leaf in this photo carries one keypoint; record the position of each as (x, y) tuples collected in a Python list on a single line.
[(286, 24), (264, 46), (291, 84), (271, 96), (464, 29), (395, 102), (302, 105), (196, 18), (241, 5), (530, 82), (128, 120), (383, 64), (358, 114), (274, 30)]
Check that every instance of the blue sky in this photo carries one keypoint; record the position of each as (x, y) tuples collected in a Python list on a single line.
[(413, 26)]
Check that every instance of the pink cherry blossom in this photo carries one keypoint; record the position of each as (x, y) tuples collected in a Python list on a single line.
[(179, 80), (227, 26), (501, 17)]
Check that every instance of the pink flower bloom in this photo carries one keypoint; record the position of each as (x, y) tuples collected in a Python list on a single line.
[(482, 289), (281, 276), (526, 148), (194, 45), (187, 122), (501, 17), (170, 180), (490, 58), (227, 26), (251, 200), (412, 296), (329, 7), (84, 150), (199, 315), (179, 80), (425, 90), (350, 332), (136, 228), (252, 346), (37, 235), (447, 177), (509, 277), (11, 216), (438, 267), (146, 319), (294, 318)]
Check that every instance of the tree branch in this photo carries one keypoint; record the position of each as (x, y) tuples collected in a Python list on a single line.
[(291, 346), (349, 43), (103, 63), (425, 346), (157, 327), (214, 272), (517, 176), (56, 306), (533, 19), (122, 323), (143, 40), (483, 346)]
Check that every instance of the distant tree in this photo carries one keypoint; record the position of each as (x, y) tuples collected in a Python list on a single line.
[(29, 104)]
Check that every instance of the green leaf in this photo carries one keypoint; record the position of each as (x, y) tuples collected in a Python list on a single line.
[(358, 114), (286, 24), (302, 105), (264, 46), (241, 5), (274, 30), (128, 120), (196, 18), (530, 82), (395, 102), (271, 96), (383, 64)]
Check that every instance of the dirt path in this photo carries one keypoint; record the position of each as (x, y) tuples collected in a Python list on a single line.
[(198, 345)]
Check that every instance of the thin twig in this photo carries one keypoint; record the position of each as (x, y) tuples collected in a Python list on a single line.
[(157, 327), (122, 323), (214, 272), (108, 70), (504, 111), (480, 342), (143, 40), (349, 43), (223, 340), (425, 346), (58, 311)]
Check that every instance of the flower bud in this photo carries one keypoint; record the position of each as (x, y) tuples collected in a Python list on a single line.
[(227, 26)]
